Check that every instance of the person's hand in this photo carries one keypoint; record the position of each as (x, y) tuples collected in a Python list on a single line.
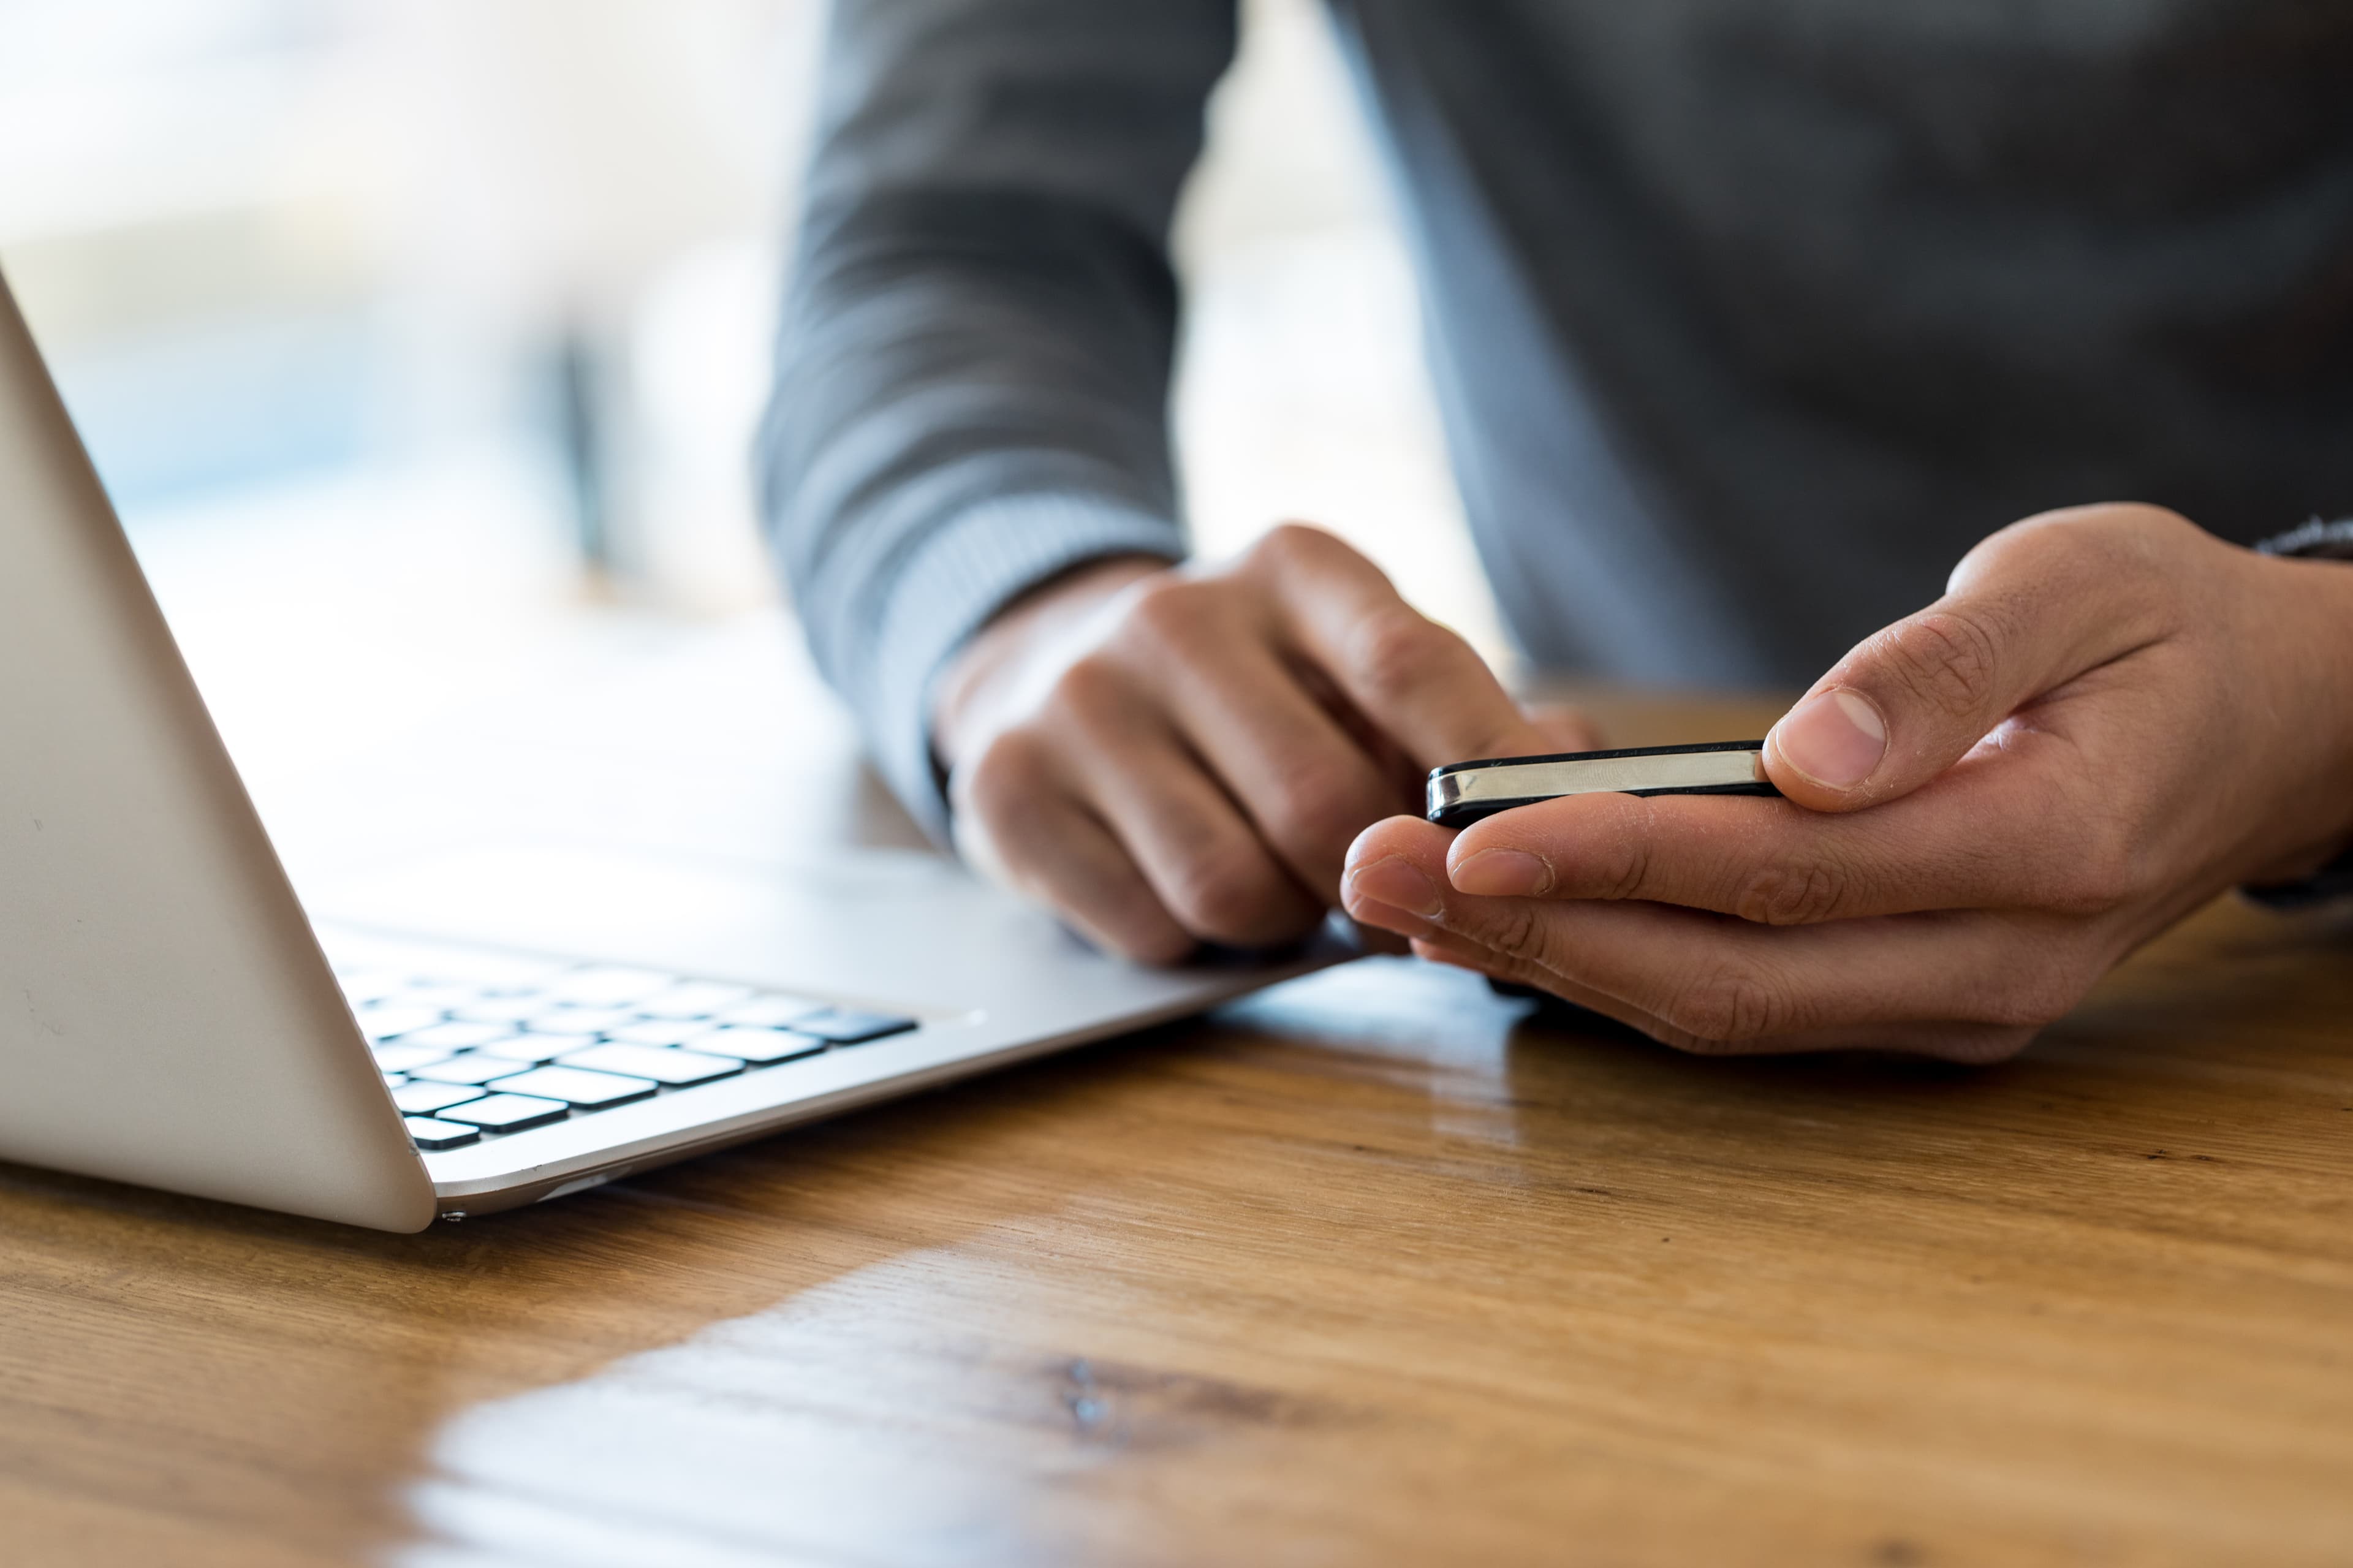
[(1169, 755), (2109, 717)]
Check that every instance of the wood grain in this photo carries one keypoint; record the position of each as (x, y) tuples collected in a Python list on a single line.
[(1372, 1268)]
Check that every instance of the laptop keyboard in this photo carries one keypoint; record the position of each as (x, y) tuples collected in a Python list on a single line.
[(517, 1045)]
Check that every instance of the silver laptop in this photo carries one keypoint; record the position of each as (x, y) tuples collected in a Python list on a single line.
[(466, 1035)]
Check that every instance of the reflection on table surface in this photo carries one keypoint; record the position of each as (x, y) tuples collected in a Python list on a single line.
[(1375, 1267)]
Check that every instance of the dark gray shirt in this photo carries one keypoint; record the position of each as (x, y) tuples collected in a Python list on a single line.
[(1747, 317)]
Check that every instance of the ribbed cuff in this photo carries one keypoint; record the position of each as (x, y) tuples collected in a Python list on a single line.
[(2315, 541), (965, 569)]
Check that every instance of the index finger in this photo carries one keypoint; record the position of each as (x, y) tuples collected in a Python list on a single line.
[(1424, 685)]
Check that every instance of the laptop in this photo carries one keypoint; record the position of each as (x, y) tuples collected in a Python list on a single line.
[(458, 1035)]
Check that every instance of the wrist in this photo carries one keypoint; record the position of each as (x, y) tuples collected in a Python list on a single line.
[(2333, 579), (2320, 804), (995, 657)]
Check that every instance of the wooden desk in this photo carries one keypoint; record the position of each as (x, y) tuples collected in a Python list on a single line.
[(1362, 1271)]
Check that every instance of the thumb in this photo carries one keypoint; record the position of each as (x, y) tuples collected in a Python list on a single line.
[(2027, 610)]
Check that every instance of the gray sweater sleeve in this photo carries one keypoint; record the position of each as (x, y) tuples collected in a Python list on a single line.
[(972, 368)]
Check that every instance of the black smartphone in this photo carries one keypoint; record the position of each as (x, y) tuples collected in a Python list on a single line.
[(1463, 793)]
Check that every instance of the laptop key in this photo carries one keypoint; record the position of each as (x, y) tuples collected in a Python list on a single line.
[(608, 985), (762, 1046), (694, 999), (581, 1020), (437, 996), (457, 1036), (535, 1048), (577, 1086), (490, 973), (397, 1057), (364, 986), (849, 1026), (391, 1021), (427, 1133), (509, 1112), (770, 1009), (474, 1066), (429, 1098), (663, 1065), (512, 1011), (660, 1032)]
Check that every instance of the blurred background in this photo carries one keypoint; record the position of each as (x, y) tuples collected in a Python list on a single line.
[(420, 341)]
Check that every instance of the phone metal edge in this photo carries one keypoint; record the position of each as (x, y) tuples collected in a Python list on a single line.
[(1465, 792)]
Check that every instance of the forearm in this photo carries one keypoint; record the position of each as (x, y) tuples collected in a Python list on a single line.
[(974, 362), (2315, 613), (955, 421)]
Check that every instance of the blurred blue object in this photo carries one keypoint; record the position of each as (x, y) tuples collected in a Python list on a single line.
[(223, 402)]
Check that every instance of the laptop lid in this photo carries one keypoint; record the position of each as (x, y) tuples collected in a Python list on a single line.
[(165, 1015)]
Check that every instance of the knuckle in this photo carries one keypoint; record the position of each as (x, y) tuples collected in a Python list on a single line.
[(1149, 937), (2046, 542), (1223, 892), (2148, 539), (1004, 773), (1731, 1004), (1626, 868), (1321, 808), (2037, 992), (1292, 544), (1394, 650), (1949, 658), (2073, 541), (2104, 526), (1173, 617), (1791, 895), (1517, 932), (1091, 693)]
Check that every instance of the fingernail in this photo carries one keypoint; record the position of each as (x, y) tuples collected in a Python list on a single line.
[(1398, 883), (1835, 739), (1502, 874)]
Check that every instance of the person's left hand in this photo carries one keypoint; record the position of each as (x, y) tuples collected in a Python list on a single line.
[(2109, 717)]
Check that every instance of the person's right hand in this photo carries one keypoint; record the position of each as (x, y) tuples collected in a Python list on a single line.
[(1168, 755)]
